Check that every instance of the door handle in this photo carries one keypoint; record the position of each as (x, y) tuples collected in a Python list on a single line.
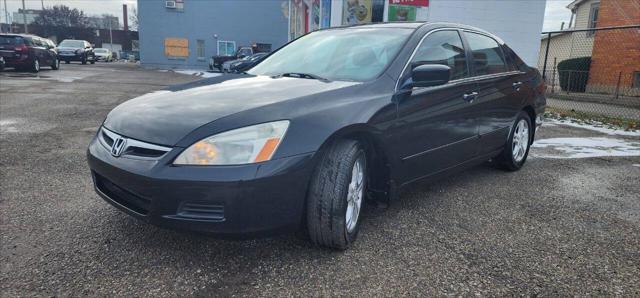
[(470, 96), (517, 85)]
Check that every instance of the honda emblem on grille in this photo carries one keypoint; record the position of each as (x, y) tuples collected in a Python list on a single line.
[(118, 146)]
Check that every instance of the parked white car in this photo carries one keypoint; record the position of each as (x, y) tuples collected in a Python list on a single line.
[(103, 54)]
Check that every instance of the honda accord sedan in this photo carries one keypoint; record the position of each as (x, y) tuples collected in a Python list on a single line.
[(333, 120)]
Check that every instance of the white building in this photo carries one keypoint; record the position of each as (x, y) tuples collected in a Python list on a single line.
[(30, 14), (518, 23)]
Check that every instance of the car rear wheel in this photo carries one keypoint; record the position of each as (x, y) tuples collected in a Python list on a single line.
[(336, 194), (84, 60), (516, 150), (56, 64), (35, 67)]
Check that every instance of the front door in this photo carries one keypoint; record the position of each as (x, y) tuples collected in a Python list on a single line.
[(436, 126)]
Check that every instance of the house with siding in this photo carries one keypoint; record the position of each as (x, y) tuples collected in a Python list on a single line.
[(566, 45), (615, 54)]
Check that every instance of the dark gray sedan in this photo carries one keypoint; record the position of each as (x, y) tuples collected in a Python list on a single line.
[(305, 136)]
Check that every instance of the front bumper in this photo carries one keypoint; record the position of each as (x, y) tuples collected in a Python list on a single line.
[(70, 57), (234, 201)]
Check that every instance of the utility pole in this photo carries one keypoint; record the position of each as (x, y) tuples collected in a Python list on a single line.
[(24, 17), (42, 4), (111, 36), (6, 15)]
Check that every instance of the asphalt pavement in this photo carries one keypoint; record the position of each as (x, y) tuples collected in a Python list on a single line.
[(562, 226)]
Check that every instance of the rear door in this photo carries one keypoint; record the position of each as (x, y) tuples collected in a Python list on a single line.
[(498, 89), (436, 126)]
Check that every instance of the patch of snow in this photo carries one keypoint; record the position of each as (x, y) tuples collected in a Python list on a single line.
[(594, 127), (636, 165), (199, 73), (584, 147)]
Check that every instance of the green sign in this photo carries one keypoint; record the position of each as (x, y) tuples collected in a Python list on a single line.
[(402, 13)]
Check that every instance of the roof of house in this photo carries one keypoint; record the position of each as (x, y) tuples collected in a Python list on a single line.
[(575, 4)]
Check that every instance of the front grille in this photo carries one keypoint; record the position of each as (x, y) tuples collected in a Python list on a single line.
[(201, 211), (123, 197), (107, 139), (132, 147)]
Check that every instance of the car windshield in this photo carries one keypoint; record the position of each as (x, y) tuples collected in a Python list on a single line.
[(101, 50), (355, 54), (72, 43)]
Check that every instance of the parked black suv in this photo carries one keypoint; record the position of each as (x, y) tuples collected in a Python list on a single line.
[(76, 50), (23, 51)]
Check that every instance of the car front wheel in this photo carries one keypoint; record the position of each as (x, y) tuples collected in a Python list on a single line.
[(336, 194), (516, 150), (35, 67)]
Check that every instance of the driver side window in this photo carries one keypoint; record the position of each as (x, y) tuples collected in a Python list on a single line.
[(443, 47)]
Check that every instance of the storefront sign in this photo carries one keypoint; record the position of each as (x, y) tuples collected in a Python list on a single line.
[(408, 10), (423, 3), (356, 12)]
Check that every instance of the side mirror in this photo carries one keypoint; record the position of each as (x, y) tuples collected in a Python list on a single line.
[(428, 75)]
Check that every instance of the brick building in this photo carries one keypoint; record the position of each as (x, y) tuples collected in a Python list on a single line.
[(616, 53)]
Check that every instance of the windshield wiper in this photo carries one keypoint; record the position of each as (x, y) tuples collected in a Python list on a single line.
[(302, 76)]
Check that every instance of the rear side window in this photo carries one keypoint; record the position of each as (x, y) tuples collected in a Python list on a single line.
[(517, 63), (11, 40), (443, 47), (487, 55)]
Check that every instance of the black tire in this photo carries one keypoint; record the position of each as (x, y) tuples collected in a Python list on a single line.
[(93, 61), (56, 64), (506, 159), (327, 199), (67, 61), (84, 60), (35, 66)]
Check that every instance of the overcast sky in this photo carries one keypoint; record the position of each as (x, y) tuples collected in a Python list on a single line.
[(556, 11), (90, 7)]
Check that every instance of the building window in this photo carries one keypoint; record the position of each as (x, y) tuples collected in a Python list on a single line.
[(226, 48), (636, 79), (593, 18), (200, 48)]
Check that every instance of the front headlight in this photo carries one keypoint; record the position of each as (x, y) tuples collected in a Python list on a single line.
[(245, 145)]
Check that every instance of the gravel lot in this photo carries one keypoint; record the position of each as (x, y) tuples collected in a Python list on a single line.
[(557, 227)]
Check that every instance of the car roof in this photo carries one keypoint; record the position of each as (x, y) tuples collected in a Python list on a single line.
[(19, 35), (410, 25), (418, 25)]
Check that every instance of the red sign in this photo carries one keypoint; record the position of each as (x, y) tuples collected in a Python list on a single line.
[(410, 2)]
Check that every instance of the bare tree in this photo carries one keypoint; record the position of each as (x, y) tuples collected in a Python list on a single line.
[(133, 18), (62, 16)]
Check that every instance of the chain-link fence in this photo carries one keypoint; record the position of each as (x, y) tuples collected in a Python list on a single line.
[(595, 71)]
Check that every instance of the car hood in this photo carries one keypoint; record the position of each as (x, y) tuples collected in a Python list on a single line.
[(165, 117), (68, 49)]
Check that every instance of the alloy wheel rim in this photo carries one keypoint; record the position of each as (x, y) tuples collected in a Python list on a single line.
[(355, 194), (520, 141)]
